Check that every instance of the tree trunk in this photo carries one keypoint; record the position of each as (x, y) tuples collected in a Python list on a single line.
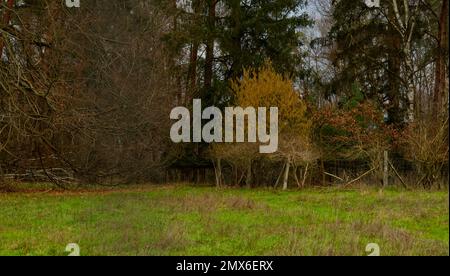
[(209, 58), (279, 176), (286, 175), (236, 39), (218, 172), (385, 169), (249, 178), (5, 20), (235, 175), (2, 175), (440, 74), (296, 177), (395, 112), (304, 175), (192, 74), (411, 92), (193, 59), (405, 26)]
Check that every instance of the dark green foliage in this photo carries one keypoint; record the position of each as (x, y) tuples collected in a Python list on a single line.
[(258, 30)]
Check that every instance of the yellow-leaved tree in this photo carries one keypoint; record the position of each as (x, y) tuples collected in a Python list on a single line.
[(264, 87)]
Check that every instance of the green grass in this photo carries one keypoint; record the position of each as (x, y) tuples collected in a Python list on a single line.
[(183, 220)]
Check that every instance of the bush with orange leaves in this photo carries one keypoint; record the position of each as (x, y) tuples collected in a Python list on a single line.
[(355, 133)]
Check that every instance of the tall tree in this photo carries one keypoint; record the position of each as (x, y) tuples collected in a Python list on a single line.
[(441, 58), (259, 30), (236, 34), (210, 43), (7, 9), (384, 51)]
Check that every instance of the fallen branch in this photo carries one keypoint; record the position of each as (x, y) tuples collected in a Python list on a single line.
[(398, 175), (359, 177), (335, 176), (279, 176)]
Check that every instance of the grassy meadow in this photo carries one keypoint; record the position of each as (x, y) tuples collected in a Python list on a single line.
[(186, 220)]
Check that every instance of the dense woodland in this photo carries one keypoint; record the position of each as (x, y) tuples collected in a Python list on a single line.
[(86, 93)]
